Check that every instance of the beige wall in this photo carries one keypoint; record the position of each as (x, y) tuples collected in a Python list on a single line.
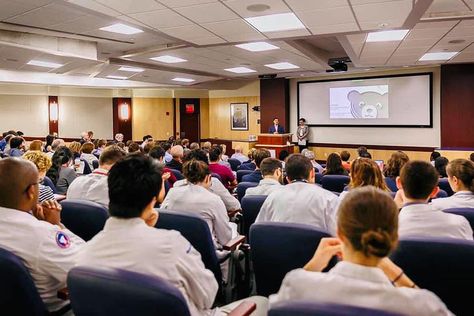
[(152, 116), (28, 113), (204, 118)]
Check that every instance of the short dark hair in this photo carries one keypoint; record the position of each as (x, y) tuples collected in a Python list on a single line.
[(214, 153), (16, 141), (157, 152), (440, 166), (302, 119), (195, 171), (345, 155), (111, 155), (166, 146), (196, 154), (269, 165), (133, 147), (298, 167), (361, 150), (434, 155), (259, 155), (471, 157), (418, 179), (133, 183), (283, 154), (147, 137)]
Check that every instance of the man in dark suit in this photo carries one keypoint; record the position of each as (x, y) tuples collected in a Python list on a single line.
[(276, 128)]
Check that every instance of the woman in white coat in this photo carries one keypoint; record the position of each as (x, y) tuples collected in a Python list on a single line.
[(367, 232)]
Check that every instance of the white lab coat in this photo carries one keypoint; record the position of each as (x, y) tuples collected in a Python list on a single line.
[(92, 187), (130, 244), (459, 199), (198, 200), (423, 220), (304, 203), (357, 285), (265, 187), (46, 250), (230, 202)]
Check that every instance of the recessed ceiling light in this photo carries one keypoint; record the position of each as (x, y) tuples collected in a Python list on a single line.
[(240, 70), (169, 59), (438, 56), (386, 36), (276, 22), (131, 69), (45, 64), (258, 7), (281, 66), (121, 29), (117, 77), (257, 46), (183, 79)]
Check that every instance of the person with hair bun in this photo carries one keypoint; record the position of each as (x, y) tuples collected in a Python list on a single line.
[(366, 234), (61, 172), (195, 197), (461, 179)]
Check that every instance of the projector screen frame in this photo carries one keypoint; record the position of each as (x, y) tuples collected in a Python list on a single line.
[(430, 74)]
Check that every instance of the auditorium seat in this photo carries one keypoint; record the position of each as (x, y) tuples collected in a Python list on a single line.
[(251, 205), (441, 194), (102, 291), (467, 212), (242, 188), (95, 164), (305, 308), (444, 185), (177, 174), (391, 184), (18, 293), (241, 173), (234, 163), (277, 248), (441, 265), (335, 183), (217, 176), (83, 218), (319, 176)]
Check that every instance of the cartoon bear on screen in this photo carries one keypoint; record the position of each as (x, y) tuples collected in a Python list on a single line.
[(368, 105)]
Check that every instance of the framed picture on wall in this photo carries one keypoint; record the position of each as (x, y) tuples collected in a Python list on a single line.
[(239, 116)]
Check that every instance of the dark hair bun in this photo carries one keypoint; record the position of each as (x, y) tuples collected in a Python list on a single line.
[(376, 243)]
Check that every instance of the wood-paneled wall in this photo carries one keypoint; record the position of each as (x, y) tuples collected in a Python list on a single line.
[(152, 116), (219, 118), (204, 118)]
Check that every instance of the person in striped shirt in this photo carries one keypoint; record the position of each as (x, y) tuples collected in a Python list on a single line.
[(42, 163)]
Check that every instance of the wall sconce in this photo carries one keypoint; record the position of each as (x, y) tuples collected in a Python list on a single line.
[(124, 111), (53, 111)]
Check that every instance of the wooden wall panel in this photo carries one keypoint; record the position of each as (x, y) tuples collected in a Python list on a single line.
[(275, 102), (154, 116), (120, 126), (53, 125), (219, 118), (204, 118), (457, 106)]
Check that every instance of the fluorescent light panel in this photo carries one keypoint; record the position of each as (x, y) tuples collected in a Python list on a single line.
[(257, 46), (438, 56), (131, 69), (240, 70), (183, 79), (117, 77), (276, 22), (121, 29), (169, 59), (386, 36), (45, 64), (281, 66)]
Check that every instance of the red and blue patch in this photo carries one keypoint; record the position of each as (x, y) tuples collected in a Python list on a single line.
[(62, 240)]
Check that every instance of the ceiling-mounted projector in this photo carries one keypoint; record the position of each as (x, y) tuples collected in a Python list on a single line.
[(338, 64)]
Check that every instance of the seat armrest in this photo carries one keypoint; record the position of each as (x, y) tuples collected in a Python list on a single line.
[(63, 294), (243, 309), (232, 244)]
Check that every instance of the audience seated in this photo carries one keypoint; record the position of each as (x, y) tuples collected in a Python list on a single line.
[(334, 166), (177, 152), (225, 173), (17, 147), (224, 157), (93, 187), (61, 172), (216, 187), (271, 169), (194, 145), (118, 138), (195, 197), (42, 163), (206, 146), (310, 155), (58, 142), (471, 157), (258, 157), (158, 154), (418, 182), (130, 241), (86, 154), (365, 171), (5, 138), (239, 154), (461, 179), (367, 234), (101, 145), (146, 140), (440, 165), (394, 164), (185, 143), (133, 148), (85, 137), (250, 164), (36, 145), (301, 201), (433, 157), (48, 142), (34, 232), (75, 147), (345, 156)]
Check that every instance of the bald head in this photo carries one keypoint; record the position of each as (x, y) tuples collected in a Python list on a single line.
[(18, 179)]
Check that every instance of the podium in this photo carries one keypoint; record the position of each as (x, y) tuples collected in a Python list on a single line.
[(275, 143)]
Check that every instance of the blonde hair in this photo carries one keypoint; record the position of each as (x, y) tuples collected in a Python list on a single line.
[(35, 145), (75, 147), (40, 159), (365, 171)]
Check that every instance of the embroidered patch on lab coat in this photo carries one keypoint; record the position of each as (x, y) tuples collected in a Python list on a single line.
[(63, 240)]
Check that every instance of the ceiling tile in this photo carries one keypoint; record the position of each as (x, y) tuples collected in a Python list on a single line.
[(188, 32), (240, 6), (234, 30), (392, 13), (184, 3), (292, 33), (210, 12), (13, 8), (357, 42), (298, 5), (322, 21), (207, 40), (443, 6), (132, 6), (92, 5), (161, 19), (334, 28)]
